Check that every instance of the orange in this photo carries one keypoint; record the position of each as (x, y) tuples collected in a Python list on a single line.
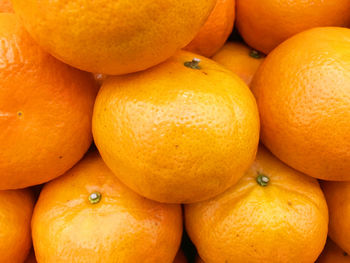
[(31, 258), (180, 257), (113, 37), (240, 59), (303, 93), (337, 196), (16, 209), (333, 254), (264, 25), (5, 6), (87, 215), (45, 110), (214, 33), (274, 214), (180, 132)]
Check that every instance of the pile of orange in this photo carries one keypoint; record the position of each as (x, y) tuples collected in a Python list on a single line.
[(173, 131)]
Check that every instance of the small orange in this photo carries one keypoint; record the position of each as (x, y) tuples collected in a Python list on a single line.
[(266, 24), (333, 254), (16, 209), (180, 257), (214, 33), (87, 215), (240, 59), (5, 6), (180, 132), (274, 214), (303, 93), (45, 110)]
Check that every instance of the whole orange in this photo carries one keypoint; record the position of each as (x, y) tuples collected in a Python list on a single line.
[(87, 215), (16, 209), (45, 110), (113, 37), (266, 24), (303, 93), (5, 6), (180, 132), (274, 214), (180, 257), (240, 59), (333, 254), (214, 33)]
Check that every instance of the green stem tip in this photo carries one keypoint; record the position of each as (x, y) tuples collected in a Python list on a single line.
[(262, 180), (255, 54), (194, 64), (95, 197)]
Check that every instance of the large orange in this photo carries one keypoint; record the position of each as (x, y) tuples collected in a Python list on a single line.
[(214, 33), (240, 59), (303, 93), (5, 6), (333, 254), (113, 37), (180, 132), (15, 214), (274, 214), (87, 215), (45, 110), (266, 24)]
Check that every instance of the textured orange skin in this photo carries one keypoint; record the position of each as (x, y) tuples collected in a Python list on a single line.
[(264, 25), (214, 33), (176, 134), (303, 94), (180, 257), (333, 254), (338, 196), (5, 6), (31, 258), (284, 222), (122, 227), (16, 209), (113, 37), (45, 110), (235, 56)]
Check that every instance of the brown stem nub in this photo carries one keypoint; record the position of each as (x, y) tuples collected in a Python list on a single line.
[(255, 54), (194, 64)]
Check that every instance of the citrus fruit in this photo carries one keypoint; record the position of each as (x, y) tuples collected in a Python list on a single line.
[(113, 37), (180, 257), (274, 214), (214, 33), (16, 209), (87, 215), (240, 59), (333, 254), (5, 6), (303, 93), (45, 110), (264, 25), (180, 132)]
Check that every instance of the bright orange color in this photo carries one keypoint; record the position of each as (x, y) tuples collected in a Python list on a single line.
[(333, 254), (180, 257), (16, 209), (174, 133), (71, 225), (45, 110), (5, 6), (240, 59), (303, 94), (31, 258), (338, 196), (273, 214), (266, 24), (214, 33), (113, 37)]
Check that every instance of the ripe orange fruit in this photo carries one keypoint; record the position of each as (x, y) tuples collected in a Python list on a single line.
[(214, 33), (87, 215), (179, 132), (45, 110), (31, 258), (15, 214), (113, 37), (333, 254), (5, 6), (303, 94), (180, 257), (240, 59), (273, 214), (337, 196), (264, 25)]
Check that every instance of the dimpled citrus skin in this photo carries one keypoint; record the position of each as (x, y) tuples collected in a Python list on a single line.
[(45, 110), (240, 59), (16, 209), (121, 227), (214, 33), (333, 254), (113, 37), (176, 134), (282, 222), (5, 6), (303, 94), (264, 25)]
